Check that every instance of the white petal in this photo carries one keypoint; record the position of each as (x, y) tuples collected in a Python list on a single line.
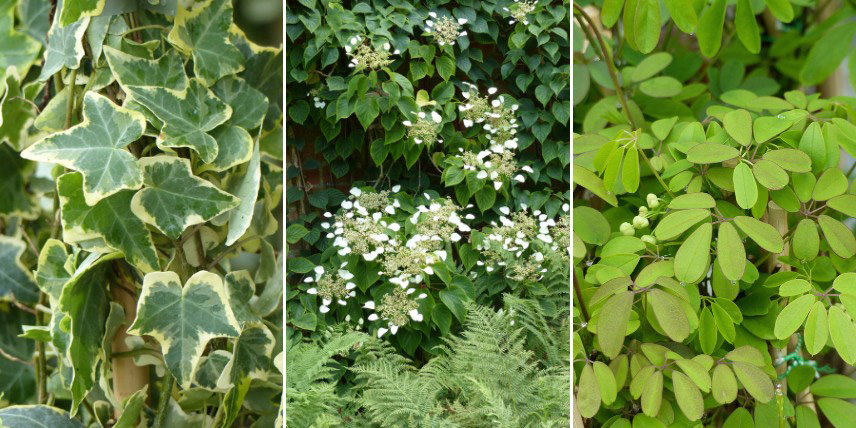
[(407, 123), (422, 296), (429, 270), (497, 185), (504, 210), (393, 329), (373, 317), (415, 315), (481, 175), (433, 14), (468, 123), (381, 331), (350, 286), (396, 188), (369, 305), (356, 192), (436, 117), (455, 237), (491, 91), (312, 290), (323, 309), (462, 21)]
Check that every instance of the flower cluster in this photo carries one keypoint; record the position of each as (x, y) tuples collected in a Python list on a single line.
[(498, 167), (641, 221), (332, 287), (425, 129), (363, 55), (499, 120), (365, 226), (396, 308), (518, 242), (520, 10), (446, 29)]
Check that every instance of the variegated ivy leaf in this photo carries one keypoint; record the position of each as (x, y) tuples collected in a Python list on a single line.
[(36, 417), (248, 104), (166, 71), (241, 288), (211, 368), (15, 279), (73, 10), (65, 46), (244, 185), (203, 31), (35, 19), (54, 269), (96, 148), (263, 71), (251, 357), (173, 198), (184, 319), (187, 115), (17, 109), (84, 301), (15, 198), (16, 49), (111, 219)]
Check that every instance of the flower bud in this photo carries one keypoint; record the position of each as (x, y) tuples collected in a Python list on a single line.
[(640, 222), (653, 201), (649, 239), (627, 229), (643, 210)]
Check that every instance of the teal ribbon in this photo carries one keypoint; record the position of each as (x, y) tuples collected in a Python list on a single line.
[(794, 359)]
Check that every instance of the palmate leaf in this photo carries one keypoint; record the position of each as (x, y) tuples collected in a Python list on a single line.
[(36, 417), (65, 46), (111, 219), (173, 198), (129, 70), (188, 115), (54, 269), (184, 319), (241, 288), (203, 31), (96, 148), (16, 49), (17, 110), (252, 354), (73, 10), (263, 71), (15, 279), (84, 302)]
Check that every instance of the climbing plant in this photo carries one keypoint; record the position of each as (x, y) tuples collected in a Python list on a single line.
[(140, 253), (428, 190), (713, 211)]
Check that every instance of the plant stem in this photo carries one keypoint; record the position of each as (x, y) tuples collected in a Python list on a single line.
[(163, 401), (69, 108), (579, 293), (41, 367)]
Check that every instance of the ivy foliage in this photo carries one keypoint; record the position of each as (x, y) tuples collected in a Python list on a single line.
[(428, 185), (713, 243), (142, 175)]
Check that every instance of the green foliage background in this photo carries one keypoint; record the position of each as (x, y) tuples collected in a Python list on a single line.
[(485, 346), (713, 242)]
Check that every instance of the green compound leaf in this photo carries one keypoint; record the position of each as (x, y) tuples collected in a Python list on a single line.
[(676, 223), (606, 382), (37, 417), (710, 28), (840, 413), (166, 71), (806, 241), (830, 184), (652, 394), (693, 257), (781, 9), (842, 331), (252, 354), (684, 17), (73, 10), (770, 175), (670, 314), (647, 25), (793, 316), (747, 26), (203, 31), (588, 403), (15, 279), (816, 329), (184, 319), (738, 125), (650, 66), (692, 201), (756, 382), (745, 187), (17, 49), (188, 116), (762, 233), (65, 47), (688, 396), (845, 204), (612, 328), (730, 252), (111, 219), (835, 385), (15, 199), (812, 143), (791, 160), (96, 148), (706, 153), (839, 236), (174, 199), (723, 384)]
